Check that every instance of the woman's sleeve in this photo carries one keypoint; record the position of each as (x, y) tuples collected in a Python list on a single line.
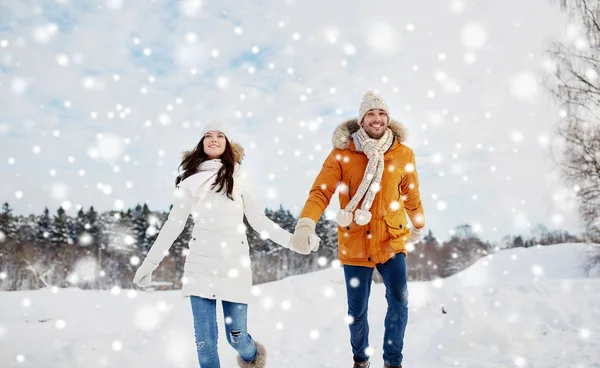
[(255, 214), (172, 227)]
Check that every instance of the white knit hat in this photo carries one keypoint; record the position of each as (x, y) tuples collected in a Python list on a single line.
[(218, 127), (372, 100)]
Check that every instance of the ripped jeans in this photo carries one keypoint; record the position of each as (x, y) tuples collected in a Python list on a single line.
[(205, 327)]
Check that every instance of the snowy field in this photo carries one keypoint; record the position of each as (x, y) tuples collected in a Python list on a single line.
[(518, 308)]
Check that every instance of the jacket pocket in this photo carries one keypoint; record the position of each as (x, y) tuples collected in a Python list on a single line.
[(396, 224), (352, 241), (197, 263)]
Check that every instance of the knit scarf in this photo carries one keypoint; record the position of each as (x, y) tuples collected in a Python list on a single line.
[(200, 183), (371, 181)]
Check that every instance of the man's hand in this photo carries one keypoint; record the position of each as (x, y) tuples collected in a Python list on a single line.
[(301, 240), (416, 235)]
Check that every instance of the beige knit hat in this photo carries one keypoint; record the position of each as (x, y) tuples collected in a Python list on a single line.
[(372, 100), (218, 127)]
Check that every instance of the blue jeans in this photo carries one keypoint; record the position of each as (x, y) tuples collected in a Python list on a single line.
[(358, 289), (204, 312)]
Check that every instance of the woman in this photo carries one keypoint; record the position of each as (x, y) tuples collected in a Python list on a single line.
[(217, 191)]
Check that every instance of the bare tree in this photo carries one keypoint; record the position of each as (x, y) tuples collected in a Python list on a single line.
[(575, 83)]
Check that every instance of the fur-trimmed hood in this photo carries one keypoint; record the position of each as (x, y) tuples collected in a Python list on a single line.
[(342, 134), (238, 152)]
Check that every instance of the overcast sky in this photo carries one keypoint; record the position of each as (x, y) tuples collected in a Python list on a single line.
[(99, 98)]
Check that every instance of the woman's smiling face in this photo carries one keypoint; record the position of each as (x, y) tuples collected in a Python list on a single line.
[(214, 144)]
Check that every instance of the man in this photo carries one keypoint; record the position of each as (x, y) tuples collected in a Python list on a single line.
[(378, 186)]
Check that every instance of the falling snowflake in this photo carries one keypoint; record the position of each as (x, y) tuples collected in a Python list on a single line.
[(128, 240), (584, 334), (473, 35), (61, 324), (286, 305), (146, 318), (332, 34), (43, 34), (267, 302), (519, 361), (117, 345), (537, 270), (190, 8), (381, 37), (524, 86), (115, 290), (354, 282), (457, 6)]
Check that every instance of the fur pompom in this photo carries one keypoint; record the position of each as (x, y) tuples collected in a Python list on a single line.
[(362, 217), (344, 218)]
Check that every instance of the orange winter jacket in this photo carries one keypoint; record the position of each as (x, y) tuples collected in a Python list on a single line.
[(387, 232)]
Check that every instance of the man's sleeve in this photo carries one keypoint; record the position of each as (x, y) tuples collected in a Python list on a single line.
[(323, 188), (409, 186)]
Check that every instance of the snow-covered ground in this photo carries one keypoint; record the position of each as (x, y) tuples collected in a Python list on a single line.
[(518, 308)]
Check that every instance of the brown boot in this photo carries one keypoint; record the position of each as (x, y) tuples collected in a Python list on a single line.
[(365, 364), (259, 362), (385, 365)]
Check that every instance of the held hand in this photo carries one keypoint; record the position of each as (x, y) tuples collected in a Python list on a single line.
[(300, 241), (143, 275), (314, 241), (415, 235)]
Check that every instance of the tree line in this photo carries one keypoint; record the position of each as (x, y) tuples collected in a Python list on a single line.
[(93, 250)]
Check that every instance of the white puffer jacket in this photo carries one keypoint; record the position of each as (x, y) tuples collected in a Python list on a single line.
[(218, 263)]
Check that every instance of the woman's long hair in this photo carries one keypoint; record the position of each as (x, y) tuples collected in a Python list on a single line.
[(191, 164)]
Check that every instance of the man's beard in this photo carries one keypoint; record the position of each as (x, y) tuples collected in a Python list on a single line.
[(379, 136)]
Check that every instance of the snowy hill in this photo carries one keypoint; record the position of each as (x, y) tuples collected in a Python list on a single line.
[(517, 308)]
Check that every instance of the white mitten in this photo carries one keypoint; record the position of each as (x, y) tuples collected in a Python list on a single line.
[(143, 275), (415, 235), (314, 241), (300, 241)]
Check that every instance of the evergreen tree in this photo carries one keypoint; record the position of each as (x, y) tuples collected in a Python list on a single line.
[(77, 231), (140, 225), (327, 231), (94, 227), (7, 223), (155, 220), (122, 230), (518, 242), (43, 228), (27, 229), (59, 232)]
